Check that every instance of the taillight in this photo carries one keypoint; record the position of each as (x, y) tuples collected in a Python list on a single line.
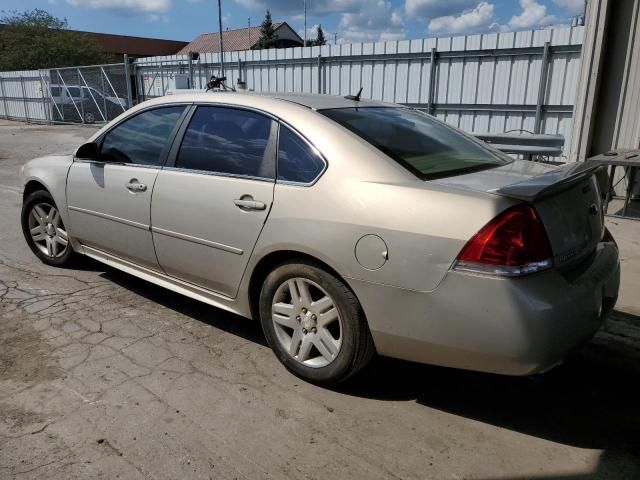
[(512, 244)]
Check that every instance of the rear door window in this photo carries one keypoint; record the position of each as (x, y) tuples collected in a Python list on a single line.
[(228, 141)]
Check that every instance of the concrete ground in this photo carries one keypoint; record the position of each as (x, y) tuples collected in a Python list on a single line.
[(106, 376)]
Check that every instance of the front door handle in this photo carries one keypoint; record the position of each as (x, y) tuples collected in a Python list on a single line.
[(248, 203), (135, 186)]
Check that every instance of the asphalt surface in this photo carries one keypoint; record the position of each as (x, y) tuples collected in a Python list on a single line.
[(103, 375)]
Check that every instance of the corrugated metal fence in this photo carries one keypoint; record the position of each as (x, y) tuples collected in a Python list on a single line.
[(490, 83)]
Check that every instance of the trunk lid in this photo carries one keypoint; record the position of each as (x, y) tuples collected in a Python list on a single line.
[(567, 199)]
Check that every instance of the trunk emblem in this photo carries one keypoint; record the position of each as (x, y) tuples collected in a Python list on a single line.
[(593, 209)]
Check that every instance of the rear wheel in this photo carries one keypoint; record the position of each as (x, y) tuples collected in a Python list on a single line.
[(314, 324), (44, 229)]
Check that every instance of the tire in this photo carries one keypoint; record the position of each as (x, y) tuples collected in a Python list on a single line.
[(49, 242), (289, 326), (89, 117)]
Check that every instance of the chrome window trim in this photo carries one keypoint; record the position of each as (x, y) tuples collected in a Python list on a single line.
[(309, 144), (113, 218), (198, 240), (218, 174), (122, 164)]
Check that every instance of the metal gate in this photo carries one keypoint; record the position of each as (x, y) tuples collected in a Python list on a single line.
[(93, 94), (89, 94)]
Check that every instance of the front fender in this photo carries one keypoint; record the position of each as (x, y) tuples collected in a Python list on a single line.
[(51, 172)]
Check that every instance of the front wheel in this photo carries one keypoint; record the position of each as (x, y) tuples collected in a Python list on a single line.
[(44, 230), (89, 117), (314, 323)]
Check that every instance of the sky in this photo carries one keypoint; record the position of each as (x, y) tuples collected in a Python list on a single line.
[(342, 20)]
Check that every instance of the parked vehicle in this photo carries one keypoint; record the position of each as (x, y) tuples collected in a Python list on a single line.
[(80, 103), (347, 227)]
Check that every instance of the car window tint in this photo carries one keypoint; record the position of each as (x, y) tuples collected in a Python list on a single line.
[(142, 138), (73, 91), (424, 145), (228, 141), (297, 161)]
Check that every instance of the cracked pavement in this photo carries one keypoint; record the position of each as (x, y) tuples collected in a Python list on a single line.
[(103, 375)]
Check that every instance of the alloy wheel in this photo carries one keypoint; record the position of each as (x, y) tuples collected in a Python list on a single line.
[(307, 322), (47, 230)]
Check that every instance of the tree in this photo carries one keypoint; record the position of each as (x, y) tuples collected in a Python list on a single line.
[(268, 35), (36, 39), (319, 40)]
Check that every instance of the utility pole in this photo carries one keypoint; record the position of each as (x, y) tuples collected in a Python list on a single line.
[(305, 23), (249, 33), (221, 42), (335, 38)]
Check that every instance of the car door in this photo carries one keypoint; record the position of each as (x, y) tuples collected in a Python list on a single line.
[(211, 200), (109, 198)]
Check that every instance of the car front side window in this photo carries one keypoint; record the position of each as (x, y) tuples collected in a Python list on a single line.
[(141, 139)]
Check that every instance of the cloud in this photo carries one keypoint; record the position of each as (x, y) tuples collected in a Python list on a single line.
[(312, 32), (152, 7), (533, 14), (377, 20), (573, 7), (430, 9), (480, 18), (314, 7)]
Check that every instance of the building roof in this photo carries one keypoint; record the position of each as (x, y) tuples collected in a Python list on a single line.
[(234, 40), (132, 46), (135, 46)]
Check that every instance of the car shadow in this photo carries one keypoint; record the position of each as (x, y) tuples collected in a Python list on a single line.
[(215, 317), (591, 401)]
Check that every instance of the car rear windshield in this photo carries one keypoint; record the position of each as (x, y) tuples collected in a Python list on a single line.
[(425, 146)]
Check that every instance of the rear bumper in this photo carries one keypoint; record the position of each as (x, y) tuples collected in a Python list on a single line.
[(500, 325)]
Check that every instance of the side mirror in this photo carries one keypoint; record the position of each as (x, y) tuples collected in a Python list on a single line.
[(88, 151)]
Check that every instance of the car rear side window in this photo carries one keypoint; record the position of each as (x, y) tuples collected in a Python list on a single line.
[(142, 138), (297, 161), (228, 141)]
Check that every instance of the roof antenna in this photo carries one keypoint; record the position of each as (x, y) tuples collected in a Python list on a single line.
[(355, 97)]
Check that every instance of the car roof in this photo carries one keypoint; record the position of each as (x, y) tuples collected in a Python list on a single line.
[(321, 102), (309, 100)]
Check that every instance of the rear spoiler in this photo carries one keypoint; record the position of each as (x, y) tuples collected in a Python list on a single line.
[(550, 183)]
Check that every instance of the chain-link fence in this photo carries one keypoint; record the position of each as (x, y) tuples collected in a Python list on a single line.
[(91, 94)]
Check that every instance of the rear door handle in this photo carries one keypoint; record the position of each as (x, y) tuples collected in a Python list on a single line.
[(135, 186), (247, 203)]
